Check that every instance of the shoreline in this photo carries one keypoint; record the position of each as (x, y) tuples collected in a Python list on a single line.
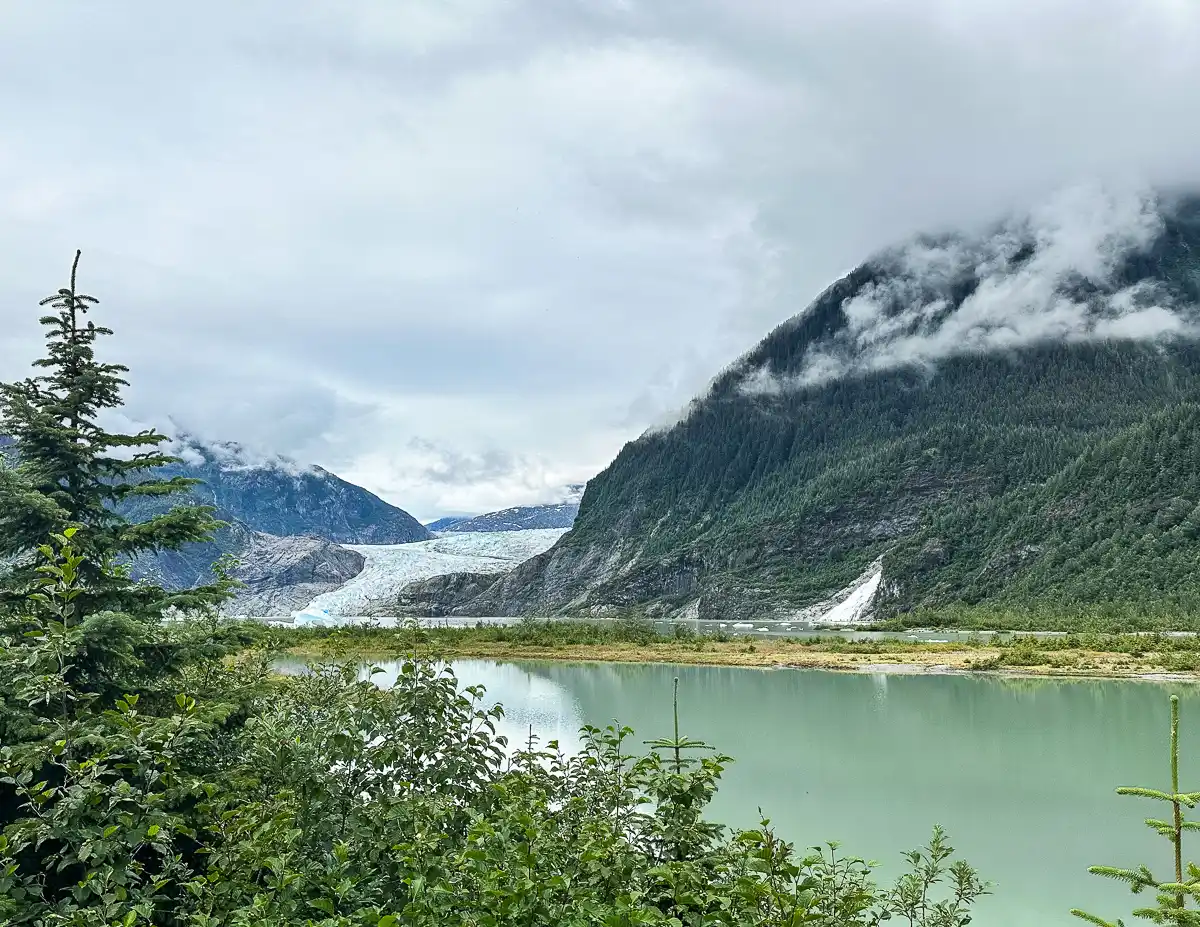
[(921, 659)]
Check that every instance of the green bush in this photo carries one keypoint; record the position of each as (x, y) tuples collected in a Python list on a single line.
[(322, 799)]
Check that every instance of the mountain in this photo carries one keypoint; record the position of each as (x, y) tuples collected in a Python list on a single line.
[(283, 498), (997, 423), (284, 523), (519, 518), (279, 515), (280, 574), (442, 524)]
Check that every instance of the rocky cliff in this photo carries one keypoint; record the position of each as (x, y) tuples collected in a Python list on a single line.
[(282, 575)]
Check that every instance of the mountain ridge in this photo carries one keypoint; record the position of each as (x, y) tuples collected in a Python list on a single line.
[(559, 514), (280, 497), (274, 507), (916, 412)]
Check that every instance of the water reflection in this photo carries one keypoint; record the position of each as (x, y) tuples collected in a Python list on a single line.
[(530, 700), (1021, 773)]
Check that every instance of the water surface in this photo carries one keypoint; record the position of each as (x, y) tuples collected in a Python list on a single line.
[(1021, 773)]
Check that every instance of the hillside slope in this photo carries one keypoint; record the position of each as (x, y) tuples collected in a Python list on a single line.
[(1007, 420), (274, 510), (282, 498)]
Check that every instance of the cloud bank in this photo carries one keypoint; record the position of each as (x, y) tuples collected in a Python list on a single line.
[(1047, 276), (521, 231)]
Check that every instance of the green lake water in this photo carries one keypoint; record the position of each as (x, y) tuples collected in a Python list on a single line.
[(1021, 773)]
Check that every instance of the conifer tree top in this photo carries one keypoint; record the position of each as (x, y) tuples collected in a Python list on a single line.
[(70, 470)]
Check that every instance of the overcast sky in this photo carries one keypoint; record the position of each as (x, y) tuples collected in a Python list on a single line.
[(460, 251)]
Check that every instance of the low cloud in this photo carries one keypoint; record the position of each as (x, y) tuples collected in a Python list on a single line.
[(1047, 276), (463, 482)]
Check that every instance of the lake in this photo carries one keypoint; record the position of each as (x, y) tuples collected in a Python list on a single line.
[(1021, 773)]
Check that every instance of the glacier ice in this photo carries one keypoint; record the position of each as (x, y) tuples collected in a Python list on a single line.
[(310, 617), (391, 567)]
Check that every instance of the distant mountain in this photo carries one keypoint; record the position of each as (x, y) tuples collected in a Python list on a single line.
[(520, 518), (984, 424), (280, 574), (284, 522), (443, 524), (281, 497), (269, 506)]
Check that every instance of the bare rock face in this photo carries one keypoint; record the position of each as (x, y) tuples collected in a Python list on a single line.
[(435, 597), (283, 574)]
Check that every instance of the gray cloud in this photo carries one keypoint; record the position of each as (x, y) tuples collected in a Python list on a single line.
[(1079, 235), (522, 230)]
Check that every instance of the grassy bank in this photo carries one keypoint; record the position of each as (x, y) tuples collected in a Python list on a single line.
[(1110, 618), (1088, 654)]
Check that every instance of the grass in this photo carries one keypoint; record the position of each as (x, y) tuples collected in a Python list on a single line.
[(624, 641), (1113, 618)]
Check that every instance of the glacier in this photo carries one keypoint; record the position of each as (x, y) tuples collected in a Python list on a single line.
[(391, 567)]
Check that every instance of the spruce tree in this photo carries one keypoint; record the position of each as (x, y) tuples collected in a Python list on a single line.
[(67, 470), (1173, 892)]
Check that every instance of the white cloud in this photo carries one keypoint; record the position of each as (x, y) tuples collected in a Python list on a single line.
[(528, 229), (1081, 234)]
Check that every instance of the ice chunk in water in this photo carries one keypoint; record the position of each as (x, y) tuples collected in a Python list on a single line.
[(311, 617)]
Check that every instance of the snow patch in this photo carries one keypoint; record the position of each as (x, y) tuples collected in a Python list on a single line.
[(391, 567)]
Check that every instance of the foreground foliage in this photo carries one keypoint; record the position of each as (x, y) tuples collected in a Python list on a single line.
[(221, 794), (1183, 885), (60, 466)]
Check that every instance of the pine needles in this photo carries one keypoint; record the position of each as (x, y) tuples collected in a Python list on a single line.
[(1173, 893)]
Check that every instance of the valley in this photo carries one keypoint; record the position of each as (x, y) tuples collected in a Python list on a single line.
[(389, 569), (600, 464)]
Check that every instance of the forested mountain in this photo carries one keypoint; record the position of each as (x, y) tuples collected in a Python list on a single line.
[(1009, 420)]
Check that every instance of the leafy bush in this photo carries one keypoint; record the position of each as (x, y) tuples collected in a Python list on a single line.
[(248, 799)]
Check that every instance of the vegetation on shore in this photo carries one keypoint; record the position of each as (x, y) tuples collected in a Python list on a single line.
[(1103, 618), (625, 641)]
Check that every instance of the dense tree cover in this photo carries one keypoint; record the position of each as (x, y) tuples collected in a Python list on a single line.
[(1059, 477)]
